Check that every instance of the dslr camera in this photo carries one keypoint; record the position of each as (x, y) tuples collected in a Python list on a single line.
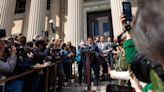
[(20, 49), (55, 55)]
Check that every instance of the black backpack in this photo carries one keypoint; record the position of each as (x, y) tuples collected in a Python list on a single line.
[(141, 67)]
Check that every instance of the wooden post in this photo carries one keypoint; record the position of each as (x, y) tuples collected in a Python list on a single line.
[(46, 80)]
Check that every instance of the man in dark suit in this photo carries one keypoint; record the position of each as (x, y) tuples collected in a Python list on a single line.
[(94, 64)]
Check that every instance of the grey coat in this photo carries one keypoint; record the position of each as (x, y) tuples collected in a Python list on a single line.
[(104, 48), (9, 65)]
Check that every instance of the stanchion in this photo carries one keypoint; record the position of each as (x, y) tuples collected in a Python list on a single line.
[(46, 80)]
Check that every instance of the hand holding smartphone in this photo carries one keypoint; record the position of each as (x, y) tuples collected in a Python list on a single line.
[(127, 10)]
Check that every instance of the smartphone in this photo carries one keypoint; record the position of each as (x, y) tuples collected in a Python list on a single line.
[(127, 10)]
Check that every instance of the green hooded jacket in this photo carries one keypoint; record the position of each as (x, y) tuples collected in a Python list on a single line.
[(157, 84)]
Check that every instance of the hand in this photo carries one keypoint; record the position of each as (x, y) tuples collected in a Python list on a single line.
[(30, 55), (13, 50), (110, 49), (135, 84), (49, 45), (104, 55), (124, 23), (110, 71), (150, 91), (71, 54), (46, 64), (41, 66), (123, 20)]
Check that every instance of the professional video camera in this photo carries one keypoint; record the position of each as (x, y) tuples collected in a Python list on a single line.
[(55, 55), (21, 50), (2, 33)]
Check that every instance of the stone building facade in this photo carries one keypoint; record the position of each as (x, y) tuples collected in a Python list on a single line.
[(74, 20)]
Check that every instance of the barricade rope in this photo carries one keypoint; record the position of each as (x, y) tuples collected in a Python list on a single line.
[(24, 74)]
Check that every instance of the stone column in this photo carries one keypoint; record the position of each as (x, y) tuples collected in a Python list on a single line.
[(7, 11), (55, 14), (36, 24), (75, 24), (26, 18), (116, 8)]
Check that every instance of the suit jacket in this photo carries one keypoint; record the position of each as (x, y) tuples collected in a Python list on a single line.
[(93, 47), (104, 47)]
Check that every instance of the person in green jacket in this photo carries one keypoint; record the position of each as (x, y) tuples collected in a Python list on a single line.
[(147, 34), (156, 84), (130, 52)]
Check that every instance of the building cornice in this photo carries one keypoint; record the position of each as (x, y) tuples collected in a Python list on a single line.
[(97, 3)]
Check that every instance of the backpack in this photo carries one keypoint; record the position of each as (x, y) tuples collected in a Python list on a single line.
[(142, 67)]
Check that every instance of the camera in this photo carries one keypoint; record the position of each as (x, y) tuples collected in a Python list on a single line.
[(2, 33), (20, 49), (55, 55)]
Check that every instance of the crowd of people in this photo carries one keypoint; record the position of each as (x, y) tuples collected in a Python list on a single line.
[(19, 56), (117, 59), (136, 56)]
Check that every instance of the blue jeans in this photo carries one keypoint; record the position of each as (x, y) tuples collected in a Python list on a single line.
[(14, 86)]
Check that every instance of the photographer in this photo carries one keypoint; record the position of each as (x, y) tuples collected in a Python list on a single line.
[(135, 60), (147, 35), (121, 65), (24, 62), (36, 80), (55, 52), (7, 65)]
